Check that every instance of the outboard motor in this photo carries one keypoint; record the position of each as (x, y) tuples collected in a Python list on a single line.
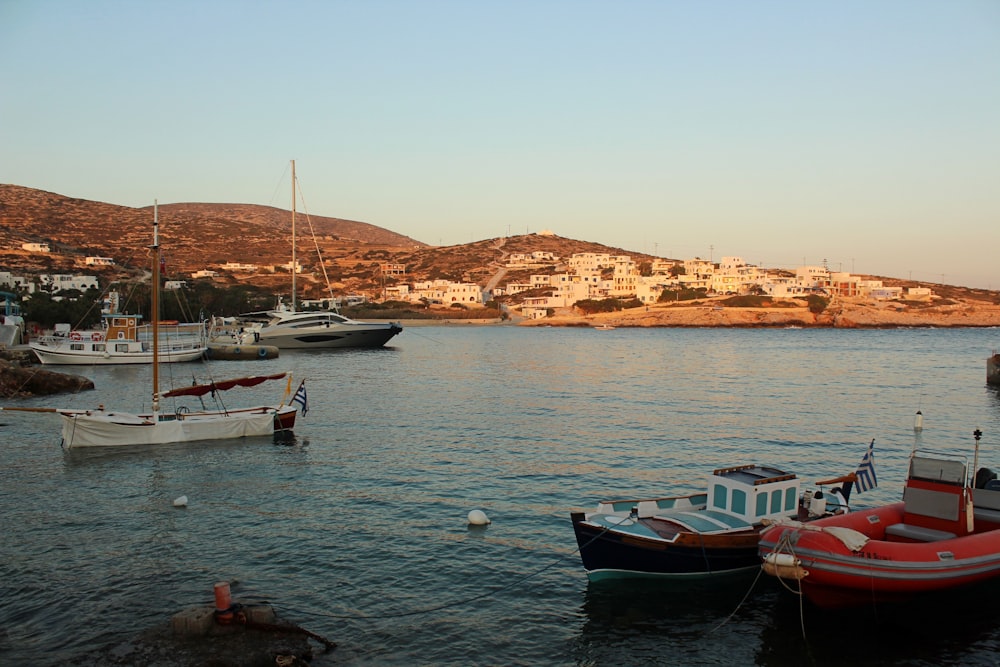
[(984, 475), (817, 506)]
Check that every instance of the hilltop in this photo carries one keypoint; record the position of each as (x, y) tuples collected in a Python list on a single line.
[(197, 236)]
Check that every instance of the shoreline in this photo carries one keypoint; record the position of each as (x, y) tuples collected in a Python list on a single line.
[(839, 314)]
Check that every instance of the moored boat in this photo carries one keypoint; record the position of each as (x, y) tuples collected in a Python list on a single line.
[(122, 340), (111, 428), (943, 536), (287, 328), (704, 534)]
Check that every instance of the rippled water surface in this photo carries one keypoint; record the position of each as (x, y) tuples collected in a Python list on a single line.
[(357, 530)]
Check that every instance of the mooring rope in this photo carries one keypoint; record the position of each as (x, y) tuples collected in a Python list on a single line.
[(457, 603)]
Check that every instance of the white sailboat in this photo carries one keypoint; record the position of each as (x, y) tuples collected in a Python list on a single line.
[(287, 328), (110, 428)]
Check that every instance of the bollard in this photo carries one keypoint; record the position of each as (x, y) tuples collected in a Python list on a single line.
[(223, 603)]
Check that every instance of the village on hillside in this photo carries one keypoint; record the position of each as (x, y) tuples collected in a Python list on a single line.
[(579, 277)]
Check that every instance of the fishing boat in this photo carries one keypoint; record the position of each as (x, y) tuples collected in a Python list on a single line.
[(287, 328), (944, 536), (103, 427), (704, 534), (122, 340)]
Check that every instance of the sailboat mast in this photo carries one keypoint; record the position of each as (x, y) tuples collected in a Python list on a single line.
[(155, 308), (293, 236)]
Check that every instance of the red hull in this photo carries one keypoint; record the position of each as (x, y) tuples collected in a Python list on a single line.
[(885, 569)]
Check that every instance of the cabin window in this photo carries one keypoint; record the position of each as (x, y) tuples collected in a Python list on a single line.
[(791, 499), (761, 504), (76, 346), (775, 501), (719, 497), (739, 505), (98, 347), (121, 347)]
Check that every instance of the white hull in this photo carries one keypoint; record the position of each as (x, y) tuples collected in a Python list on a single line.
[(122, 342), (65, 357), (116, 429), (354, 335), (314, 330)]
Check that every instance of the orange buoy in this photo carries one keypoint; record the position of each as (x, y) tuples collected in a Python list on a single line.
[(223, 602)]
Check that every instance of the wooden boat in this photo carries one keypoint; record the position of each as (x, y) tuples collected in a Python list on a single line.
[(699, 535), (110, 428), (943, 536), (122, 340)]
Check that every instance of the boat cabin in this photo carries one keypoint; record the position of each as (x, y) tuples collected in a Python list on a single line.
[(754, 493), (122, 327)]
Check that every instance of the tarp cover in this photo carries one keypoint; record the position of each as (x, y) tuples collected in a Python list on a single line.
[(202, 389)]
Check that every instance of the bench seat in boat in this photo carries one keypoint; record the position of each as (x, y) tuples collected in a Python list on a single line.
[(911, 533)]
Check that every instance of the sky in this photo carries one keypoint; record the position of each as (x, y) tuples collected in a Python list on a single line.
[(863, 134)]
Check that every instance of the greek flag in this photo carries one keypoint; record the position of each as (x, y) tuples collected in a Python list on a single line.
[(301, 399), (866, 471)]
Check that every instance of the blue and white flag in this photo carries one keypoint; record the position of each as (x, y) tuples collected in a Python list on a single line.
[(866, 471), (301, 399)]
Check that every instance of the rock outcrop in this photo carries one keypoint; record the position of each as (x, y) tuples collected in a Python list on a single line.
[(17, 381)]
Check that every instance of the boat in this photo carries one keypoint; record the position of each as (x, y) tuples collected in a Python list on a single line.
[(943, 537), (11, 322), (704, 534), (103, 427), (603, 327), (287, 328), (993, 369), (122, 340)]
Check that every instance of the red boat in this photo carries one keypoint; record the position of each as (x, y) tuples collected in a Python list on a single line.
[(944, 535)]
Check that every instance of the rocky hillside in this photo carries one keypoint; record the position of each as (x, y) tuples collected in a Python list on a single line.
[(199, 236), (204, 236)]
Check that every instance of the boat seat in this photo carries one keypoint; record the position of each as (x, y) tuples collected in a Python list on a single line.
[(987, 514), (913, 533)]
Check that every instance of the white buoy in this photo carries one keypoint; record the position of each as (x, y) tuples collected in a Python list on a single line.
[(181, 502), (478, 518), (918, 421)]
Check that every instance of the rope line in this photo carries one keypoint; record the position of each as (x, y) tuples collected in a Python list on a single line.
[(458, 603)]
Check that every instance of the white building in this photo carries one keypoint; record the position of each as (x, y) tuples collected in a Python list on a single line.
[(98, 261), (237, 267), (446, 292), (56, 282), (36, 247)]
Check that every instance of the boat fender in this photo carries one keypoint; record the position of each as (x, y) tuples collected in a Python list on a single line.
[(478, 518), (262, 352)]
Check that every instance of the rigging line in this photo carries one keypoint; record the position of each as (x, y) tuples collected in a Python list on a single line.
[(312, 232), (458, 603)]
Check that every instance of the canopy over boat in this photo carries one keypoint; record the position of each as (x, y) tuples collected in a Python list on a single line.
[(202, 389)]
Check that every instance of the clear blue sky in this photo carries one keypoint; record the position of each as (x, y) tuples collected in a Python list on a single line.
[(863, 132)]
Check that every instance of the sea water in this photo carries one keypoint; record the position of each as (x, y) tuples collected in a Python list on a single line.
[(357, 529)]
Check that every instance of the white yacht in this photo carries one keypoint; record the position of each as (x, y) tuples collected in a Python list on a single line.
[(320, 329)]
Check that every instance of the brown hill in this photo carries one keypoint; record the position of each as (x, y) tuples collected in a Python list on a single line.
[(198, 236), (194, 236)]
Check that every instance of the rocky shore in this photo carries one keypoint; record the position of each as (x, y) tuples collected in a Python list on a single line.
[(18, 380), (840, 313)]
